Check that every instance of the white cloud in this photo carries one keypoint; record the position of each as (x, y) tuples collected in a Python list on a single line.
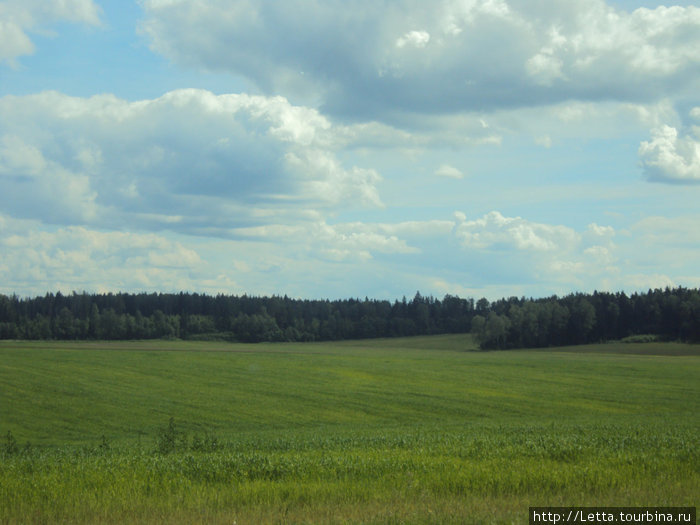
[(494, 231), (669, 157), (658, 251), (600, 254), (276, 190), (493, 255), (213, 162), (532, 255), (305, 260), (601, 231), (449, 171), (325, 179), (336, 242), (32, 184), (473, 55), (17, 158), (414, 38), (545, 68), (77, 258), (14, 41), (19, 17)]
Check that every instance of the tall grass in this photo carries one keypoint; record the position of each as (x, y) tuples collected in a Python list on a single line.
[(311, 475)]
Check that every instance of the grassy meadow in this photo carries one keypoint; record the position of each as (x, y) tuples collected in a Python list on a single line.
[(418, 430)]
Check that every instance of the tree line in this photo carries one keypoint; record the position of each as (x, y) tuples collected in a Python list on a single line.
[(507, 323), (235, 318), (668, 314)]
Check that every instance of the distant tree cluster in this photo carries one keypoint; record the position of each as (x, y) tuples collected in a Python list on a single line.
[(672, 314), (235, 318), (507, 323)]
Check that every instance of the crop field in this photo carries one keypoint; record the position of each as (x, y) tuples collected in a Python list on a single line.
[(417, 430)]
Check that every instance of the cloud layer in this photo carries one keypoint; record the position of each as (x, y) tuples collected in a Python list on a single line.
[(379, 59), (492, 255), (189, 160), (478, 147), (404, 62)]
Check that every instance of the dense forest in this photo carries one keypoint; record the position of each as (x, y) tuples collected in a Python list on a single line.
[(672, 314), (236, 318), (669, 314)]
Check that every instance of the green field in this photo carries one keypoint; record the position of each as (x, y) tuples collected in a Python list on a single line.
[(419, 430)]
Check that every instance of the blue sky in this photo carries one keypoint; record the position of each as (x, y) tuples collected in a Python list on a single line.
[(349, 149)]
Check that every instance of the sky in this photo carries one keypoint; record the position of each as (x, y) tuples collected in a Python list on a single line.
[(337, 149)]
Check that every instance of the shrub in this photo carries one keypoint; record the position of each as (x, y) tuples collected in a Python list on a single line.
[(11, 447), (640, 338), (168, 438)]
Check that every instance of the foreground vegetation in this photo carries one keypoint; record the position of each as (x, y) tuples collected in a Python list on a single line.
[(386, 431)]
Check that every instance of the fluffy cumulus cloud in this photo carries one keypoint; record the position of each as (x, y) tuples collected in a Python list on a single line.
[(338, 242), (31, 184), (493, 230), (19, 18), (189, 160), (449, 171), (672, 157), (495, 254), (557, 255), (76, 258), (414, 38), (379, 59), (492, 255)]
